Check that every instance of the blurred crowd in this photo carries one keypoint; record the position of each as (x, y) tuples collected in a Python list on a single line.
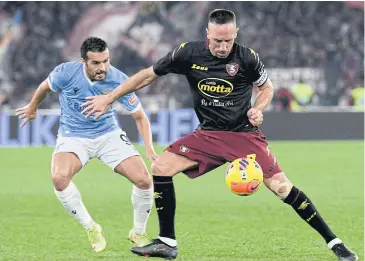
[(325, 39)]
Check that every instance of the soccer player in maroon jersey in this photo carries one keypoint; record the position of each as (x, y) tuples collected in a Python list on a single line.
[(221, 74)]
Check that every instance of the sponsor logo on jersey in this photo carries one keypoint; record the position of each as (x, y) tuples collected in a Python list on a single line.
[(199, 67), (232, 68), (132, 100), (215, 87)]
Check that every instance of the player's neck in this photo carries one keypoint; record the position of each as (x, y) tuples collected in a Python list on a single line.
[(87, 75)]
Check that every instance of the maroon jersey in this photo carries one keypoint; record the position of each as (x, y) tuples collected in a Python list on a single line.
[(221, 87)]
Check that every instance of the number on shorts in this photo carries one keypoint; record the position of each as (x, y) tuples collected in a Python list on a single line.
[(125, 139)]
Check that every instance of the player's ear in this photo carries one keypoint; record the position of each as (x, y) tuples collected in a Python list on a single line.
[(207, 30), (235, 35), (83, 61)]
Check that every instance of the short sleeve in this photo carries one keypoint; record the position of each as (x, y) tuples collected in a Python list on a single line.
[(56, 79), (257, 72), (174, 62), (130, 102)]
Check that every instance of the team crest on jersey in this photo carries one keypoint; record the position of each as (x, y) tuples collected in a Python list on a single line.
[(232, 68), (184, 149)]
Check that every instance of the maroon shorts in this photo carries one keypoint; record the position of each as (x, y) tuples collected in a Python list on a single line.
[(212, 149)]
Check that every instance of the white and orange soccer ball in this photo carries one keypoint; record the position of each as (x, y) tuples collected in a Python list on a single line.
[(244, 176)]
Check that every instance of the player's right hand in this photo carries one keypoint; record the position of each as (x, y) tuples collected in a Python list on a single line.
[(26, 113), (96, 104)]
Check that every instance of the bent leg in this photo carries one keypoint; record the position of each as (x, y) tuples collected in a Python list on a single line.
[(163, 169), (304, 207), (64, 166), (280, 185), (169, 164), (136, 171)]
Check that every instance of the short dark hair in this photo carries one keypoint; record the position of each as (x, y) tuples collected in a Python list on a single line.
[(221, 16), (92, 44)]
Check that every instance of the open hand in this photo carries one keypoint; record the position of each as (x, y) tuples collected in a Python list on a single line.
[(26, 114), (99, 104)]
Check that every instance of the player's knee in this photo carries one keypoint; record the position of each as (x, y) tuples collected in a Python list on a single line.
[(143, 181), (159, 169), (279, 185), (61, 178)]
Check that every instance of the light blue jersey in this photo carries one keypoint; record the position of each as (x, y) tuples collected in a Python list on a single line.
[(72, 84)]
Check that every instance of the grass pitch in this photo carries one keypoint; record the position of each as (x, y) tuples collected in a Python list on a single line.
[(211, 223)]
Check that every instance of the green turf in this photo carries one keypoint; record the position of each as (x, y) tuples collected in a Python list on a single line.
[(212, 224)]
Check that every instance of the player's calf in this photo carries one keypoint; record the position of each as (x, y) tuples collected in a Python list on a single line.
[(305, 208), (135, 170)]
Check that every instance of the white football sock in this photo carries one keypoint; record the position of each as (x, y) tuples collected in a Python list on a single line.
[(71, 200), (142, 201), (334, 242), (169, 241)]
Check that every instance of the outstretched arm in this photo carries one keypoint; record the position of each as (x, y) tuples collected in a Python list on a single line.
[(134, 83), (174, 62), (29, 112), (100, 104)]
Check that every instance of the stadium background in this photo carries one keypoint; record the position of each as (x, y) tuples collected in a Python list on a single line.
[(314, 53)]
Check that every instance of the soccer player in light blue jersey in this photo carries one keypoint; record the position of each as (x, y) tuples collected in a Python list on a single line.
[(81, 139)]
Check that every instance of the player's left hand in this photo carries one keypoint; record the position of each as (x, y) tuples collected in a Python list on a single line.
[(255, 116), (151, 154), (96, 104)]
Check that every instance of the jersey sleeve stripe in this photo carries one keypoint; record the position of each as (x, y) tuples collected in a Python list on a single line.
[(135, 109)]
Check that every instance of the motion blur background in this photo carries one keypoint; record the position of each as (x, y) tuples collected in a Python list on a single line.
[(314, 51)]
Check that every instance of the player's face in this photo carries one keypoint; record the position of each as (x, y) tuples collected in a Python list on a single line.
[(97, 64), (221, 38)]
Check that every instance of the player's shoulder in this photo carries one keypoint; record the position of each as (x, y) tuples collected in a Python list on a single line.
[(117, 75), (63, 72), (245, 52), (247, 55), (188, 49), (69, 67)]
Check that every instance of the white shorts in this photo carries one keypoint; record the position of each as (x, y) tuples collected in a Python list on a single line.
[(111, 148)]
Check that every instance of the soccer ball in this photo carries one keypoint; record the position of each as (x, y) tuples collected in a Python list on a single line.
[(244, 176)]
